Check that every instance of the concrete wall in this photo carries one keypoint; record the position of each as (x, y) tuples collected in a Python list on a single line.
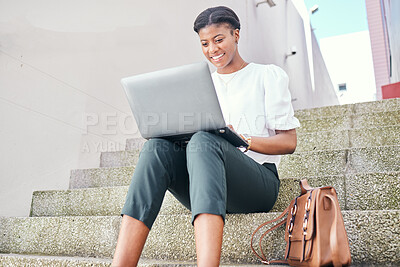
[(61, 102), (324, 93), (285, 26), (282, 25)]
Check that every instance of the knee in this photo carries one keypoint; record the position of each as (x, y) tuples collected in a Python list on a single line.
[(157, 146), (203, 142), (203, 137), (156, 154)]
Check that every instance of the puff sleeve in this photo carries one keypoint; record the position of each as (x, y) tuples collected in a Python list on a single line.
[(278, 102)]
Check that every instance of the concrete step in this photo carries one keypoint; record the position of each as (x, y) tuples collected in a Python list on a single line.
[(345, 122), (119, 158), (106, 201), (342, 139), (339, 162), (377, 106), (374, 237), (386, 118), (360, 191), (327, 140), (101, 177), (12, 260), (300, 164), (328, 111), (323, 124), (349, 109), (333, 139), (374, 159), (129, 158), (365, 191), (375, 136), (305, 164), (385, 112), (369, 191), (62, 236), (335, 118)]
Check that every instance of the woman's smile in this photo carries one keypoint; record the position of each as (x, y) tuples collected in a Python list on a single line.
[(218, 57)]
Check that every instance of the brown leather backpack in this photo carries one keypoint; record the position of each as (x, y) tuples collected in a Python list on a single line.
[(315, 233)]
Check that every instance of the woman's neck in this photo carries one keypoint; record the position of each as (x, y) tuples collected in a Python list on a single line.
[(237, 65)]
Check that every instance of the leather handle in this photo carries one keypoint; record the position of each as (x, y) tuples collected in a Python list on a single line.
[(261, 238), (305, 186), (333, 234), (263, 258)]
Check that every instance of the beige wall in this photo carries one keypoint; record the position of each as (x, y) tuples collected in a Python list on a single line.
[(324, 93), (282, 27), (61, 102)]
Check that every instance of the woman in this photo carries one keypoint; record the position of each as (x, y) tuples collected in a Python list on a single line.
[(210, 176)]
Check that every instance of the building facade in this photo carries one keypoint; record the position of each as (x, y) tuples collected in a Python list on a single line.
[(384, 27)]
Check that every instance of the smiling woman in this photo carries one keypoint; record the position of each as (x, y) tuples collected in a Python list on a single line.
[(218, 30), (210, 176)]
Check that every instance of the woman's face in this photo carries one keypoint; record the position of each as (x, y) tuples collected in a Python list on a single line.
[(219, 44)]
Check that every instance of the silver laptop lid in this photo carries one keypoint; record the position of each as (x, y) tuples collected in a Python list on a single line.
[(175, 101)]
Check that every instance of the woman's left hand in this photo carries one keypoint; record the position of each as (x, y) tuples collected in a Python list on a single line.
[(284, 142)]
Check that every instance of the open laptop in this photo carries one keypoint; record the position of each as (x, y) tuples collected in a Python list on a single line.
[(177, 102)]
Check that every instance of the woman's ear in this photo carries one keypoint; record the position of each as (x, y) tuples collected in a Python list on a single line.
[(236, 35)]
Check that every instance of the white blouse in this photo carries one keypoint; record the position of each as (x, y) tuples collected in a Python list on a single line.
[(256, 101)]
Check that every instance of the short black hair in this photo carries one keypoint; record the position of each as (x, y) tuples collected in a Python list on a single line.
[(216, 15)]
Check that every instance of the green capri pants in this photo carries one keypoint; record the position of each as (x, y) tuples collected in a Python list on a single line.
[(209, 175)]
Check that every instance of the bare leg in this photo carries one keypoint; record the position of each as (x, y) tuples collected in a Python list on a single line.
[(208, 233), (131, 239)]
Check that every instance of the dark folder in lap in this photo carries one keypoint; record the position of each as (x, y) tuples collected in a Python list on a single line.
[(175, 103)]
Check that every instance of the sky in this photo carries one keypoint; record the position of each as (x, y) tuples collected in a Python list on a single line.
[(337, 17)]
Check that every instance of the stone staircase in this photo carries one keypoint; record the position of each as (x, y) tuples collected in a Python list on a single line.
[(355, 148)]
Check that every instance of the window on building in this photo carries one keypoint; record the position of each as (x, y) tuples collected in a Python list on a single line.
[(342, 87)]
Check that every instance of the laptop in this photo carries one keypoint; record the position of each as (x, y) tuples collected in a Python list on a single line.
[(176, 103)]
